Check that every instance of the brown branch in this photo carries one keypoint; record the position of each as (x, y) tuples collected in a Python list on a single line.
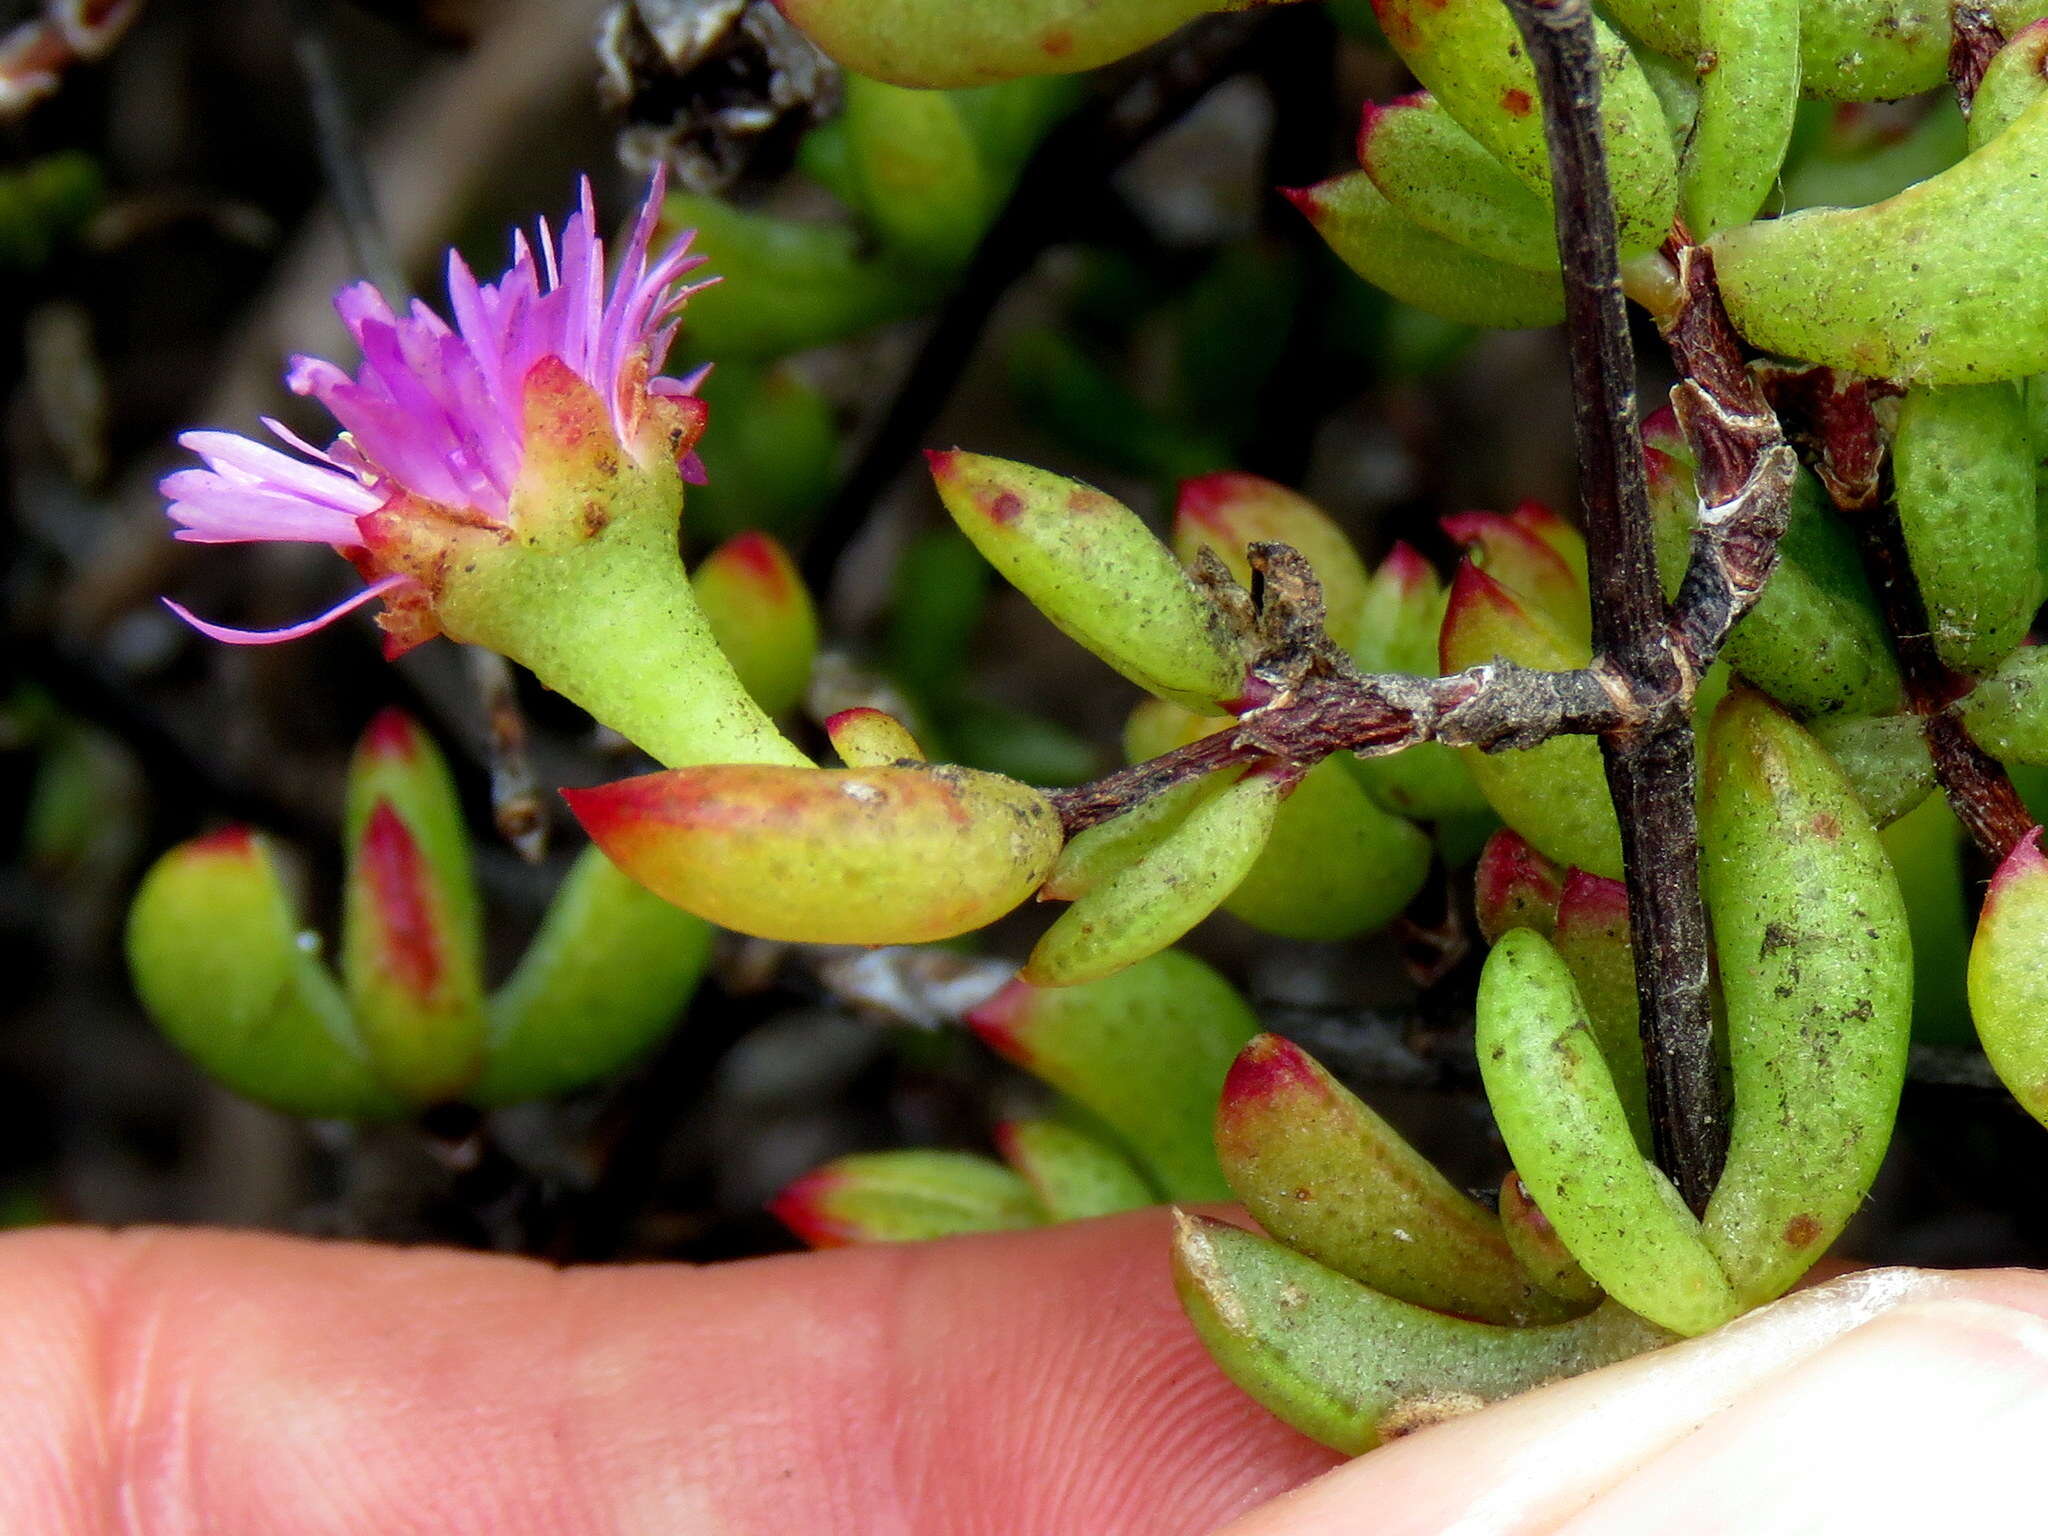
[(1745, 465), (1650, 761), (1492, 707)]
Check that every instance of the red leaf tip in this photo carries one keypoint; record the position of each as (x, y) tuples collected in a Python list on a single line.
[(801, 1207), (393, 734), (1591, 901), (1001, 1021), (1207, 499), (402, 900), (234, 841), (1268, 1067)]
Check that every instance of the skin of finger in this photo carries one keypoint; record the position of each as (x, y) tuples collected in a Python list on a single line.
[(1524, 1465), (183, 1382), (1930, 1417)]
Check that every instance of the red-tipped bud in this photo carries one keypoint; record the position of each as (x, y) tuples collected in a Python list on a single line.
[(1484, 619), (871, 738), (1227, 511), (411, 933), (904, 1197), (761, 616), (1514, 553), (1517, 887)]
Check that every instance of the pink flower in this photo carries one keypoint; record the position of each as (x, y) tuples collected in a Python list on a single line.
[(435, 415)]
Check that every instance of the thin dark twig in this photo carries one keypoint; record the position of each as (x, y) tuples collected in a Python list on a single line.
[(1085, 148), (1649, 765), (341, 150), (515, 798), (516, 802)]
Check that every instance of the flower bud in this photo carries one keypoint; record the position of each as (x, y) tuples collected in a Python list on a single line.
[(869, 738), (904, 1197), (1145, 1050), (221, 964), (411, 947), (1326, 1176), (761, 615), (1516, 887), (893, 855), (1091, 566)]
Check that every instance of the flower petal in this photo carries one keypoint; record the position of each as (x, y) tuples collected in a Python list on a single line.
[(347, 605)]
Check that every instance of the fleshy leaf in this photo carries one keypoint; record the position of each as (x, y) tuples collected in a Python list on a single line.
[(1811, 937), (1325, 1175), (607, 975), (1569, 1135), (1092, 567), (1350, 1367), (1146, 1050), (1391, 251), (1074, 1175), (894, 855), (1971, 307), (904, 1197), (219, 960), (1157, 897), (1963, 481)]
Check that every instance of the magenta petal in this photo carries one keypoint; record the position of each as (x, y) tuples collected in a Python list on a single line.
[(347, 605)]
